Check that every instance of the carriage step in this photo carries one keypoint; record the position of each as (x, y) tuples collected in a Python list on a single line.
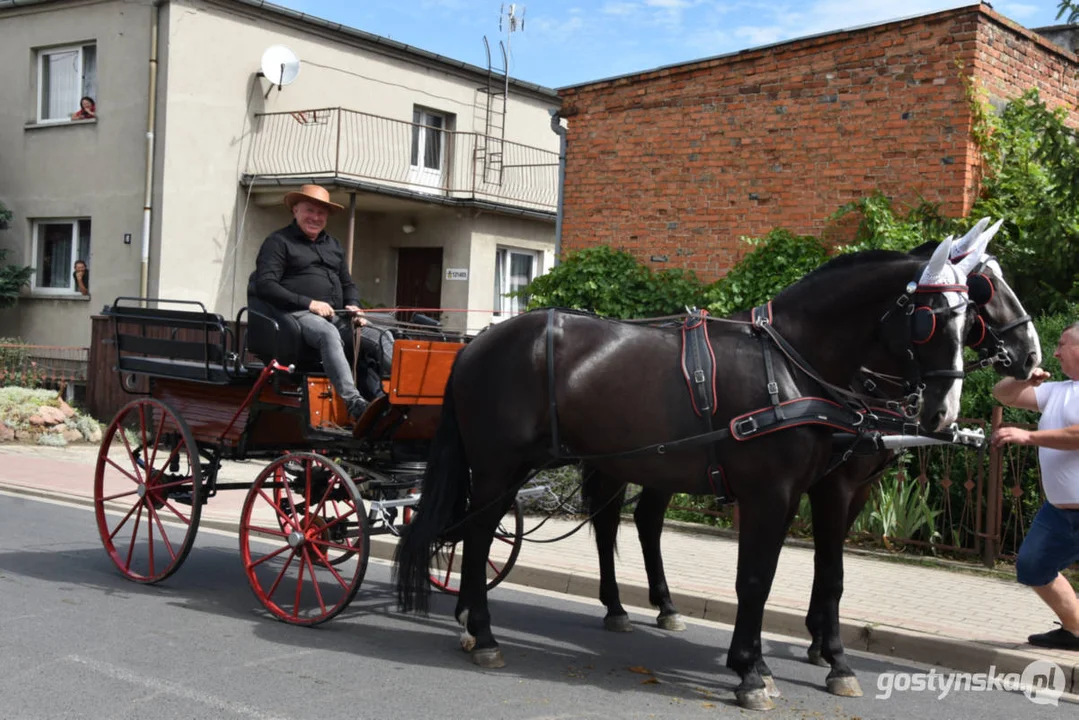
[(185, 498)]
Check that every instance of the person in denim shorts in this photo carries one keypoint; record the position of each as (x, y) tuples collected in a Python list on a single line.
[(1052, 543)]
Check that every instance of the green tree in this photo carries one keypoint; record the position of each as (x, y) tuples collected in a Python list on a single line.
[(1031, 179), (12, 277), (1072, 10)]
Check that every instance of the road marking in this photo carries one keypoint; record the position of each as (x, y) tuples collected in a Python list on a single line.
[(163, 686)]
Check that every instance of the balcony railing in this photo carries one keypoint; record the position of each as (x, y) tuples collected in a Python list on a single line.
[(334, 142)]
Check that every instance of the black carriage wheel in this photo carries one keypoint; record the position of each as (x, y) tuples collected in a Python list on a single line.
[(147, 488), (505, 547), (304, 559)]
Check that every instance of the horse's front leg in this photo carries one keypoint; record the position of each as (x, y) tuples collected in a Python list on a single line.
[(765, 518), (836, 502), (651, 508), (605, 496)]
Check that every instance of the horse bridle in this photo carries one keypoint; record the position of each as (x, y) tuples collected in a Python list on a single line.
[(981, 294)]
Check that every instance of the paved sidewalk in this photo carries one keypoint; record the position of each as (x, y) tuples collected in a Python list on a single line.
[(967, 621)]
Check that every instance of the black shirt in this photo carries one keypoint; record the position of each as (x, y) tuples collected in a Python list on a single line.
[(292, 270)]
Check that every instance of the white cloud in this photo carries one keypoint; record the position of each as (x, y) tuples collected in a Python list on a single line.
[(619, 8)]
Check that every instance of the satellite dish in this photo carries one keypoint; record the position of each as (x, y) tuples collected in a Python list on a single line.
[(280, 65)]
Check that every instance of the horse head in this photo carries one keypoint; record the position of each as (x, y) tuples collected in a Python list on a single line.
[(1003, 333), (938, 319)]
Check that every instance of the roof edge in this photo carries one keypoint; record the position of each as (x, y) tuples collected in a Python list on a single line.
[(372, 41)]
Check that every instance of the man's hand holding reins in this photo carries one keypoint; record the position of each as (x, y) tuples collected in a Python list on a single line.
[(357, 315), (322, 309)]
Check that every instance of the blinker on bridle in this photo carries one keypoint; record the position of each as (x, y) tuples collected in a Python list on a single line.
[(982, 292), (919, 328)]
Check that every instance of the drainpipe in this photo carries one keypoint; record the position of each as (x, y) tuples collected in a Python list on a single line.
[(556, 126), (148, 198)]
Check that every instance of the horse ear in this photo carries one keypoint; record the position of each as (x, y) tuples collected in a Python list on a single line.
[(977, 249), (933, 273), (963, 245)]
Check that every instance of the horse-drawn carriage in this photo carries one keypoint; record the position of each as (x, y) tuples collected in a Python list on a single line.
[(216, 391)]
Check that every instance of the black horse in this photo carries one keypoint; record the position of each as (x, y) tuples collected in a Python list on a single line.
[(550, 386), (1004, 336)]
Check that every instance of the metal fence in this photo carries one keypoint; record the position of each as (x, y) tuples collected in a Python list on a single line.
[(42, 365), (334, 142), (947, 499)]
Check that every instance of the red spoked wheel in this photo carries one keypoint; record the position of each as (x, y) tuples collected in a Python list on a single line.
[(334, 508), (506, 546), (303, 538), (147, 490)]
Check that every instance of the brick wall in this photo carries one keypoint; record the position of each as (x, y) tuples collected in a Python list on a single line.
[(679, 163)]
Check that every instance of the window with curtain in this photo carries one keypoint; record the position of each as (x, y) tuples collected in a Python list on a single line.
[(58, 244), (514, 270), (427, 139), (65, 76)]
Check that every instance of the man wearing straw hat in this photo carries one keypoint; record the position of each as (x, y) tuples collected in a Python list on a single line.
[(301, 269)]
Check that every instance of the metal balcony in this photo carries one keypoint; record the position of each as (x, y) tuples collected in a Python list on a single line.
[(403, 157)]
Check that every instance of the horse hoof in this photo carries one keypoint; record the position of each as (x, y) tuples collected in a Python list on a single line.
[(770, 686), (489, 658), (815, 658), (754, 699), (617, 623), (468, 641), (844, 686), (672, 622)]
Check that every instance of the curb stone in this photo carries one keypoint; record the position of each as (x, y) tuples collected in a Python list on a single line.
[(898, 643)]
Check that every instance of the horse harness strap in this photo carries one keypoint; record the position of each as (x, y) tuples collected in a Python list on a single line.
[(699, 370), (552, 408)]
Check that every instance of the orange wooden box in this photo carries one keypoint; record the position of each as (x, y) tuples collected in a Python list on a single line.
[(420, 371)]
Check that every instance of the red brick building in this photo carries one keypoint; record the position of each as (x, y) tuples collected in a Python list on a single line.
[(680, 162)]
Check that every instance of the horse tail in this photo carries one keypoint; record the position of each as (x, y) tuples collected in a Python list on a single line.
[(443, 503)]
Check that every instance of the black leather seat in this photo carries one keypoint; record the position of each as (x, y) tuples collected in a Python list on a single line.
[(285, 342)]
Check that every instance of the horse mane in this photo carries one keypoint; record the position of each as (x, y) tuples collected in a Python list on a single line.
[(842, 264)]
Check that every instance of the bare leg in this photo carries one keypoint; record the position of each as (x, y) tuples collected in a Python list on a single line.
[(1060, 597)]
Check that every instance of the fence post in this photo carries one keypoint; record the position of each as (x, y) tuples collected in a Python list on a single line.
[(993, 495), (337, 153)]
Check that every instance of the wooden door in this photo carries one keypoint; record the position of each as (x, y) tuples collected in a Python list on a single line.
[(419, 280)]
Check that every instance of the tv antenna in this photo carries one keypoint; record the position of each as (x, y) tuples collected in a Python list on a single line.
[(280, 66)]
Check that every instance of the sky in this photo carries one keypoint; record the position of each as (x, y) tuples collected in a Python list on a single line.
[(567, 42)]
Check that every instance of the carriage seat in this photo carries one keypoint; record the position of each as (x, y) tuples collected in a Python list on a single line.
[(283, 342)]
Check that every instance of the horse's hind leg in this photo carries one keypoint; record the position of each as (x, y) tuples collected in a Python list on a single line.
[(651, 507), (836, 502), (605, 496), (491, 501)]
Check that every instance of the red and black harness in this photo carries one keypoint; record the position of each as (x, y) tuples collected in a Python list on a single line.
[(844, 411)]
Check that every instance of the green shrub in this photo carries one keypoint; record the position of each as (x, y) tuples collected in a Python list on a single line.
[(612, 283), (777, 260)]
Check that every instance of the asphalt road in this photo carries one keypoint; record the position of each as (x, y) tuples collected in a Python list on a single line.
[(79, 641)]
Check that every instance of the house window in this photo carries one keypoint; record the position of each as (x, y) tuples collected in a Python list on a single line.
[(427, 128), (64, 76), (57, 245), (514, 269)]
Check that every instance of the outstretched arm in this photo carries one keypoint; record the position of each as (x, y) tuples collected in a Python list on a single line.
[(1020, 393)]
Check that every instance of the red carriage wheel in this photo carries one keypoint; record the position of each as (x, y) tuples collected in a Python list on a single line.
[(147, 488), (303, 538), (506, 546), (334, 508)]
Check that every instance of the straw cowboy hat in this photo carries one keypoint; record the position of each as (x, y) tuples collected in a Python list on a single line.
[(313, 193)]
